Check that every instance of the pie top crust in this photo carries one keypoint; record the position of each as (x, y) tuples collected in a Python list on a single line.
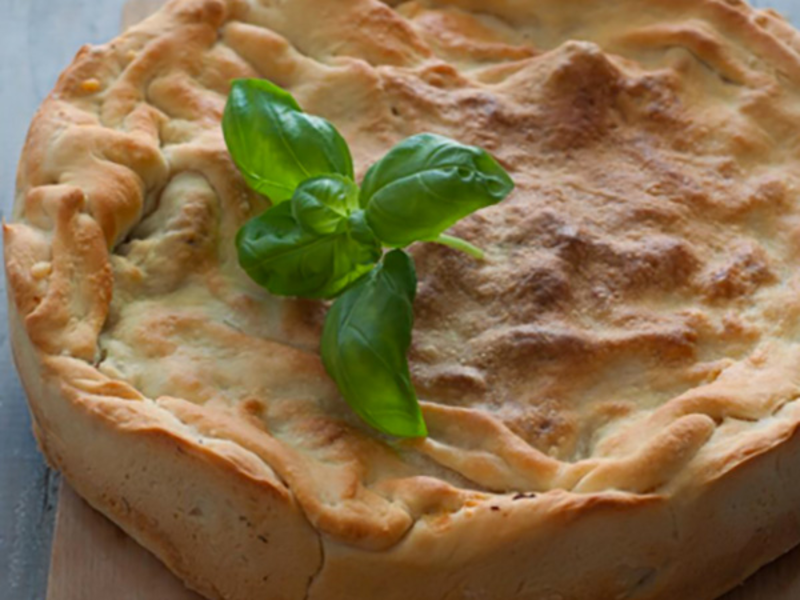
[(631, 334)]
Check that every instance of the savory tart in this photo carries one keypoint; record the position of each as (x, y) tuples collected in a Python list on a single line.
[(609, 394)]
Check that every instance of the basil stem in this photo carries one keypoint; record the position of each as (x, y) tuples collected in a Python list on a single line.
[(459, 244)]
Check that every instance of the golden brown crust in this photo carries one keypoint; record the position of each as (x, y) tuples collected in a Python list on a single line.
[(626, 352)]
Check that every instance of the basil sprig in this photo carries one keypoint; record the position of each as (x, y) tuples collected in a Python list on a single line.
[(313, 246), (323, 237)]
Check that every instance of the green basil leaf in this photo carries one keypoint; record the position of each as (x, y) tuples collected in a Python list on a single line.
[(275, 144), (323, 204), (425, 184), (365, 341), (288, 259)]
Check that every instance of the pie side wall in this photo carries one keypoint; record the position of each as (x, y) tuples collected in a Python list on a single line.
[(696, 544), (225, 532)]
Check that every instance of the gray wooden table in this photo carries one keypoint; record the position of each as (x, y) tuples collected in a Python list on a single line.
[(37, 39)]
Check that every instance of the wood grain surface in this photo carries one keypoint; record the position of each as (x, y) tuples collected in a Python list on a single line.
[(94, 559), (91, 558)]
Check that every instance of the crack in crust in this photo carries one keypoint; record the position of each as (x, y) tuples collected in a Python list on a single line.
[(637, 308)]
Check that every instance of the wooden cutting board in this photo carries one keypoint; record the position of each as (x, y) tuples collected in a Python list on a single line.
[(93, 559)]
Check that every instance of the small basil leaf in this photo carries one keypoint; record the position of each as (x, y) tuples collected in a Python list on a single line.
[(360, 229), (289, 260), (365, 341), (324, 203), (425, 184), (275, 144)]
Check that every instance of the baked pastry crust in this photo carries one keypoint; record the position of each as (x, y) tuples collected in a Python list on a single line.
[(610, 395)]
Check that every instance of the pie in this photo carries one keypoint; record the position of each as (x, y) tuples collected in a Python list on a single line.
[(610, 394)]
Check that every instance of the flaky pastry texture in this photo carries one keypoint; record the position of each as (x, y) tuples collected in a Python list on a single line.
[(611, 393)]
